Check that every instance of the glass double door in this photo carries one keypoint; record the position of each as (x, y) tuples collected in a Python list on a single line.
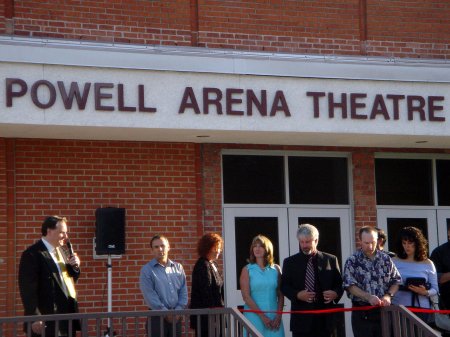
[(434, 223), (280, 225)]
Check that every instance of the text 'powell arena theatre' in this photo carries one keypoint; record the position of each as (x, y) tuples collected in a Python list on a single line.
[(233, 117)]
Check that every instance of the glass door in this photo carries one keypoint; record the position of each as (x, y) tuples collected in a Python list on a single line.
[(335, 237), (391, 220), (241, 225)]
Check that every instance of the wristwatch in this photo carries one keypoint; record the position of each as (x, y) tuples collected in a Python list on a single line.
[(390, 294)]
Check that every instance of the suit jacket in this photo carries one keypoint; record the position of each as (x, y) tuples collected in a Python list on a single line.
[(41, 287), (328, 277)]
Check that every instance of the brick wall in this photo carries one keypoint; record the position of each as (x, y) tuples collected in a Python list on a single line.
[(364, 198), (408, 21), (146, 22), (169, 188), (342, 27), (155, 182), (281, 26), (2, 17), (212, 187), (408, 28)]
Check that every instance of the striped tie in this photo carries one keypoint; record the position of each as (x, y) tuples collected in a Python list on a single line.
[(309, 278), (68, 280)]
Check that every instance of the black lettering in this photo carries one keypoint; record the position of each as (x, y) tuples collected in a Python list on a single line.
[(10, 93), (316, 96), (280, 104), (35, 98), (261, 105), (74, 91), (379, 108), (99, 96), (413, 107)]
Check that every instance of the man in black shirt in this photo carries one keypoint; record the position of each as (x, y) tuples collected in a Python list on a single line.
[(441, 259)]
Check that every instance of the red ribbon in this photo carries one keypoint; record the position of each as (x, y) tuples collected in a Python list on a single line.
[(334, 310)]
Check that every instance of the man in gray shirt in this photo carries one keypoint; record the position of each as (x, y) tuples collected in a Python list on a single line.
[(163, 284)]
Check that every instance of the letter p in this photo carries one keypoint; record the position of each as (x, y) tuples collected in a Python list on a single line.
[(10, 93)]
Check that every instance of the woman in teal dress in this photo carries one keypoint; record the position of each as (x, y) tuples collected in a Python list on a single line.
[(260, 288)]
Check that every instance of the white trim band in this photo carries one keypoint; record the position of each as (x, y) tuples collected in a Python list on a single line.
[(206, 60)]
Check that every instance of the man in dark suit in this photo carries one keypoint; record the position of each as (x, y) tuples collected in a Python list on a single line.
[(311, 280), (47, 275)]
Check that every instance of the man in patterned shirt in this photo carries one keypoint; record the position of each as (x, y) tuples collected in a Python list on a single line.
[(370, 278)]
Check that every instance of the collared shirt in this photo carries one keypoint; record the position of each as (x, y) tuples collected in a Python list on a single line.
[(48, 245), (164, 287), (373, 276), (52, 251)]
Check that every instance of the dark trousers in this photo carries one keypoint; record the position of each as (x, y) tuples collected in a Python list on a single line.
[(320, 326), (204, 327), (204, 324), (366, 323), (168, 331)]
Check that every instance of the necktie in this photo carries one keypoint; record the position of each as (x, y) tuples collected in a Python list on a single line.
[(68, 281), (309, 278)]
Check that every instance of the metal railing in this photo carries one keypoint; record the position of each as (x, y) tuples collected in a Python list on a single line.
[(223, 322), (398, 321)]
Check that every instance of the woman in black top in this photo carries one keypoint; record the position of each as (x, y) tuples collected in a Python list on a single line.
[(207, 281)]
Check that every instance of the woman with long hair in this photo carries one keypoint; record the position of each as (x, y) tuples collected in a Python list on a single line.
[(414, 266), (260, 288)]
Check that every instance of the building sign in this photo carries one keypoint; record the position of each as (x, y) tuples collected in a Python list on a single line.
[(230, 101), (46, 94)]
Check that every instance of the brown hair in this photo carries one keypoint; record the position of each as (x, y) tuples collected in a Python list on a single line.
[(158, 237), (50, 222), (268, 246), (412, 234)]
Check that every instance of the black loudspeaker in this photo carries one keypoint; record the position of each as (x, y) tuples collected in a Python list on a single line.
[(110, 231)]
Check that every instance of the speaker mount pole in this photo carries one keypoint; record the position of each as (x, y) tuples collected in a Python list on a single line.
[(109, 266), (109, 283)]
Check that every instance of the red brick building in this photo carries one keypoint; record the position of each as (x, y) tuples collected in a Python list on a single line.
[(237, 117)]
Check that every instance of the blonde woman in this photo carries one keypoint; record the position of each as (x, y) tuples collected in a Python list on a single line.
[(260, 288)]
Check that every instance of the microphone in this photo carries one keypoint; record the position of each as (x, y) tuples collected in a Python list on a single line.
[(69, 247)]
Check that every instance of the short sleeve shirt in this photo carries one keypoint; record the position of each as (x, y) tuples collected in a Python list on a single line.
[(373, 276)]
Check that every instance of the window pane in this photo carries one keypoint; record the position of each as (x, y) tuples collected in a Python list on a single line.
[(443, 182), (314, 180), (403, 182), (395, 224), (246, 228), (329, 234), (253, 179)]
